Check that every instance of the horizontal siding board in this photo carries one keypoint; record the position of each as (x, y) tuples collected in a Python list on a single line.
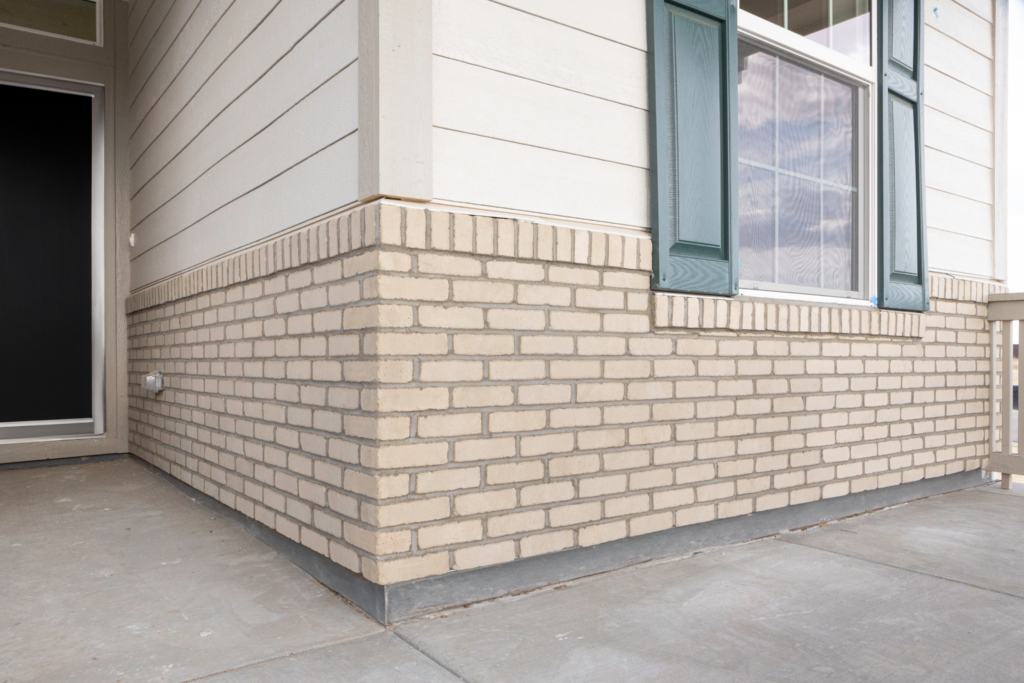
[(136, 13), (282, 29), (321, 119), (954, 175), (147, 30), (951, 135), (624, 21), (944, 54), (143, 94), (323, 183), (476, 100), (959, 253), (504, 39), (960, 101), (154, 52), (961, 25), (238, 22), (324, 52), (478, 170), (983, 8), (953, 213)]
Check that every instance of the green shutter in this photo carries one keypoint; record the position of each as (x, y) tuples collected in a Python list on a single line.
[(693, 122), (903, 264)]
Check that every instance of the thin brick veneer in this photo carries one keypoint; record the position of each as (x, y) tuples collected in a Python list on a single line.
[(414, 392)]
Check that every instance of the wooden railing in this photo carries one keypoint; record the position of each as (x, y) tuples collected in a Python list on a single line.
[(1003, 311)]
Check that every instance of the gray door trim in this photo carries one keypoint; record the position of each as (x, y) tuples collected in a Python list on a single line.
[(95, 425)]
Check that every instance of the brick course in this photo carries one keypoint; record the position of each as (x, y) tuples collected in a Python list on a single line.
[(517, 389)]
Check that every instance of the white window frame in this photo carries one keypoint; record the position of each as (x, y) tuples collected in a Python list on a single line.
[(802, 49)]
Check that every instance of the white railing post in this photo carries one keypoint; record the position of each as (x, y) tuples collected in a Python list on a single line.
[(1006, 309), (1006, 405), (993, 382)]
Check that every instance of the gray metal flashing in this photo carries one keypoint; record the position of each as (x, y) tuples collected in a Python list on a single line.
[(58, 462), (422, 596), (389, 604)]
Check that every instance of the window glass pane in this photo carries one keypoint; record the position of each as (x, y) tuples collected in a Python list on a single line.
[(851, 29), (757, 104), (843, 25), (797, 181), (809, 18), (71, 18), (757, 224), (837, 132), (838, 238), (799, 119), (799, 232)]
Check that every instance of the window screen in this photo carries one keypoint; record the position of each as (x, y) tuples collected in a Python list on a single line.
[(798, 218)]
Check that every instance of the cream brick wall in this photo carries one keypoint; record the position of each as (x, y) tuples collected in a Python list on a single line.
[(416, 392)]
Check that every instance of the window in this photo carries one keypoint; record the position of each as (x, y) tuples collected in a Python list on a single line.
[(842, 25), (75, 19), (799, 152), (786, 156)]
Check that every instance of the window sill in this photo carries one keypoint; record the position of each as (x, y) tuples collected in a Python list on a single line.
[(802, 299), (744, 313)]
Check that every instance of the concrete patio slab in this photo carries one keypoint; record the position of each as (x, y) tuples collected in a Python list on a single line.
[(380, 658), (969, 536), (109, 573), (767, 611)]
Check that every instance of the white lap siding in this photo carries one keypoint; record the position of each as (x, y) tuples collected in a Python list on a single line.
[(540, 108), (244, 125)]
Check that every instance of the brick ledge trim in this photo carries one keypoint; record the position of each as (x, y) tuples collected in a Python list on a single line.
[(383, 224), (674, 312)]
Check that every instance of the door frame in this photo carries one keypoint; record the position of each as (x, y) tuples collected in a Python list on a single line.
[(94, 425), (105, 66)]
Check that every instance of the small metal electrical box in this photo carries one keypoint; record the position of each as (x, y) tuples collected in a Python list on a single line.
[(154, 382)]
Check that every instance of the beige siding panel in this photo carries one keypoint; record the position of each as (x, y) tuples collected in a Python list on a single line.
[(961, 25), (136, 13), (147, 30), (953, 136), (323, 53), (234, 26), (983, 8), (476, 100), (954, 175), (327, 115), (277, 34), (144, 93), (316, 187), (953, 59), (491, 35), (624, 21), (955, 214), (957, 253), (956, 99), (478, 170), (154, 52)]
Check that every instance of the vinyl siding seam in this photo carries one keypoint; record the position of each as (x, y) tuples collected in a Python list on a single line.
[(569, 26), (237, 147), (539, 82), (246, 193), (156, 68)]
